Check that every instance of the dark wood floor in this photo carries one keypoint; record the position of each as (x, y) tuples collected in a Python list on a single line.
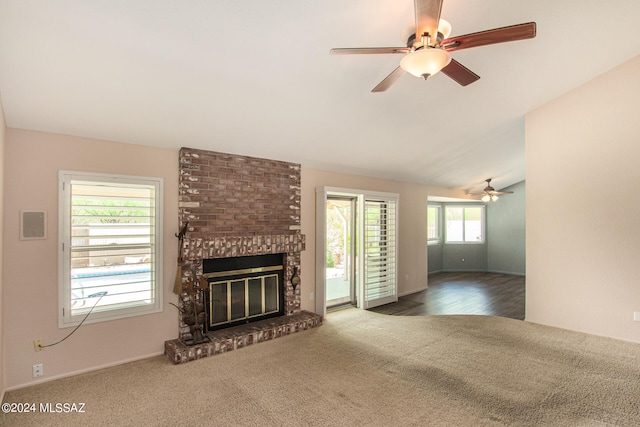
[(489, 294)]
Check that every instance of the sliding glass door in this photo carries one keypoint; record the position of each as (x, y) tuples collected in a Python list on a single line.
[(356, 248), (341, 251)]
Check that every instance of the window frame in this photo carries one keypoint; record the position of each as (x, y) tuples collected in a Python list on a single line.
[(65, 315), (438, 226), (483, 224)]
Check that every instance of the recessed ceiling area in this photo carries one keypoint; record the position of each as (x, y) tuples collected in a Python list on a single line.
[(255, 78)]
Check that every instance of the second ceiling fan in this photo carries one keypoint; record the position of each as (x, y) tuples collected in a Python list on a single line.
[(489, 194), (427, 51)]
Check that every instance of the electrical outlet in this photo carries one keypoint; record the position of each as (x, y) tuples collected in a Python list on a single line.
[(38, 345), (636, 316), (311, 296), (38, 370)]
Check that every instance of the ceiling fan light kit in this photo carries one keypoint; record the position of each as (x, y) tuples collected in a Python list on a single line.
[(444, 28), (427, 50), (425, 62)]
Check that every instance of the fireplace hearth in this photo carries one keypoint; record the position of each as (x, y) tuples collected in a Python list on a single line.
[(240, 336)]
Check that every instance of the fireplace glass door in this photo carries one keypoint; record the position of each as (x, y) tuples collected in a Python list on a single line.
[(243, 299), (243, 289)]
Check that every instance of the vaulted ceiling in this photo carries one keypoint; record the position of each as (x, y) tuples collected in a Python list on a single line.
[(255, 77)]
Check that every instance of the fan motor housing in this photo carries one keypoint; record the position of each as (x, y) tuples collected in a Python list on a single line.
[(412, 39)]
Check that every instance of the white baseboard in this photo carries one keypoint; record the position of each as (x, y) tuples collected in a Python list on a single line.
[(512, 273), (413, 291), (81, 371)]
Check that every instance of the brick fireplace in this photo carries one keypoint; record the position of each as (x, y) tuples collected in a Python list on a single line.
[(238, 206)]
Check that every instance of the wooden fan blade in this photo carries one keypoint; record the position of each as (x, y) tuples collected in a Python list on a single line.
[(427, 18), (459, 73), (497, 35), (368, 50), (389, 80)]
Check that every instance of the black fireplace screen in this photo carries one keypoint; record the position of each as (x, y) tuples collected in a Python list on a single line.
[(251, 290)]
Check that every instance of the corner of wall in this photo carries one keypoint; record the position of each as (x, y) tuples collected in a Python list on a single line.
[(3, 137)]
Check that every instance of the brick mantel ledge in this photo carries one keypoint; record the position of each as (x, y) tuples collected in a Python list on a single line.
[(198, 248)]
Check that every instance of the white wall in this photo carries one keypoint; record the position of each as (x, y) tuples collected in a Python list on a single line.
[(583, 207), (30, 274)]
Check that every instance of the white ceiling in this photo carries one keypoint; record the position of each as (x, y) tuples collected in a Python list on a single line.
[(255, 77)]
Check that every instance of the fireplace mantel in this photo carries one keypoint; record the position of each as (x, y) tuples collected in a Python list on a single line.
[(199, 248)]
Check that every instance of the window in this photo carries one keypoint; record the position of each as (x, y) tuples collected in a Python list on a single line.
[(111, 242), (464, 224), (433, 224)]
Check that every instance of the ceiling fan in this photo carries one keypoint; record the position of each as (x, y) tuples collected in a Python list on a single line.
[(427, 50), (489, 193)]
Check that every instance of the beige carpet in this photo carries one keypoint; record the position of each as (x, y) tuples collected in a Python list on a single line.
[(367, 369)]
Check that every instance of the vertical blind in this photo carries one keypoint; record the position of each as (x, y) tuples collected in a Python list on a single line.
[(380, 270)]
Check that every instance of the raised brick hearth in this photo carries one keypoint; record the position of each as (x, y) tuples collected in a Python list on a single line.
[(241, 336), (239, 206)]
